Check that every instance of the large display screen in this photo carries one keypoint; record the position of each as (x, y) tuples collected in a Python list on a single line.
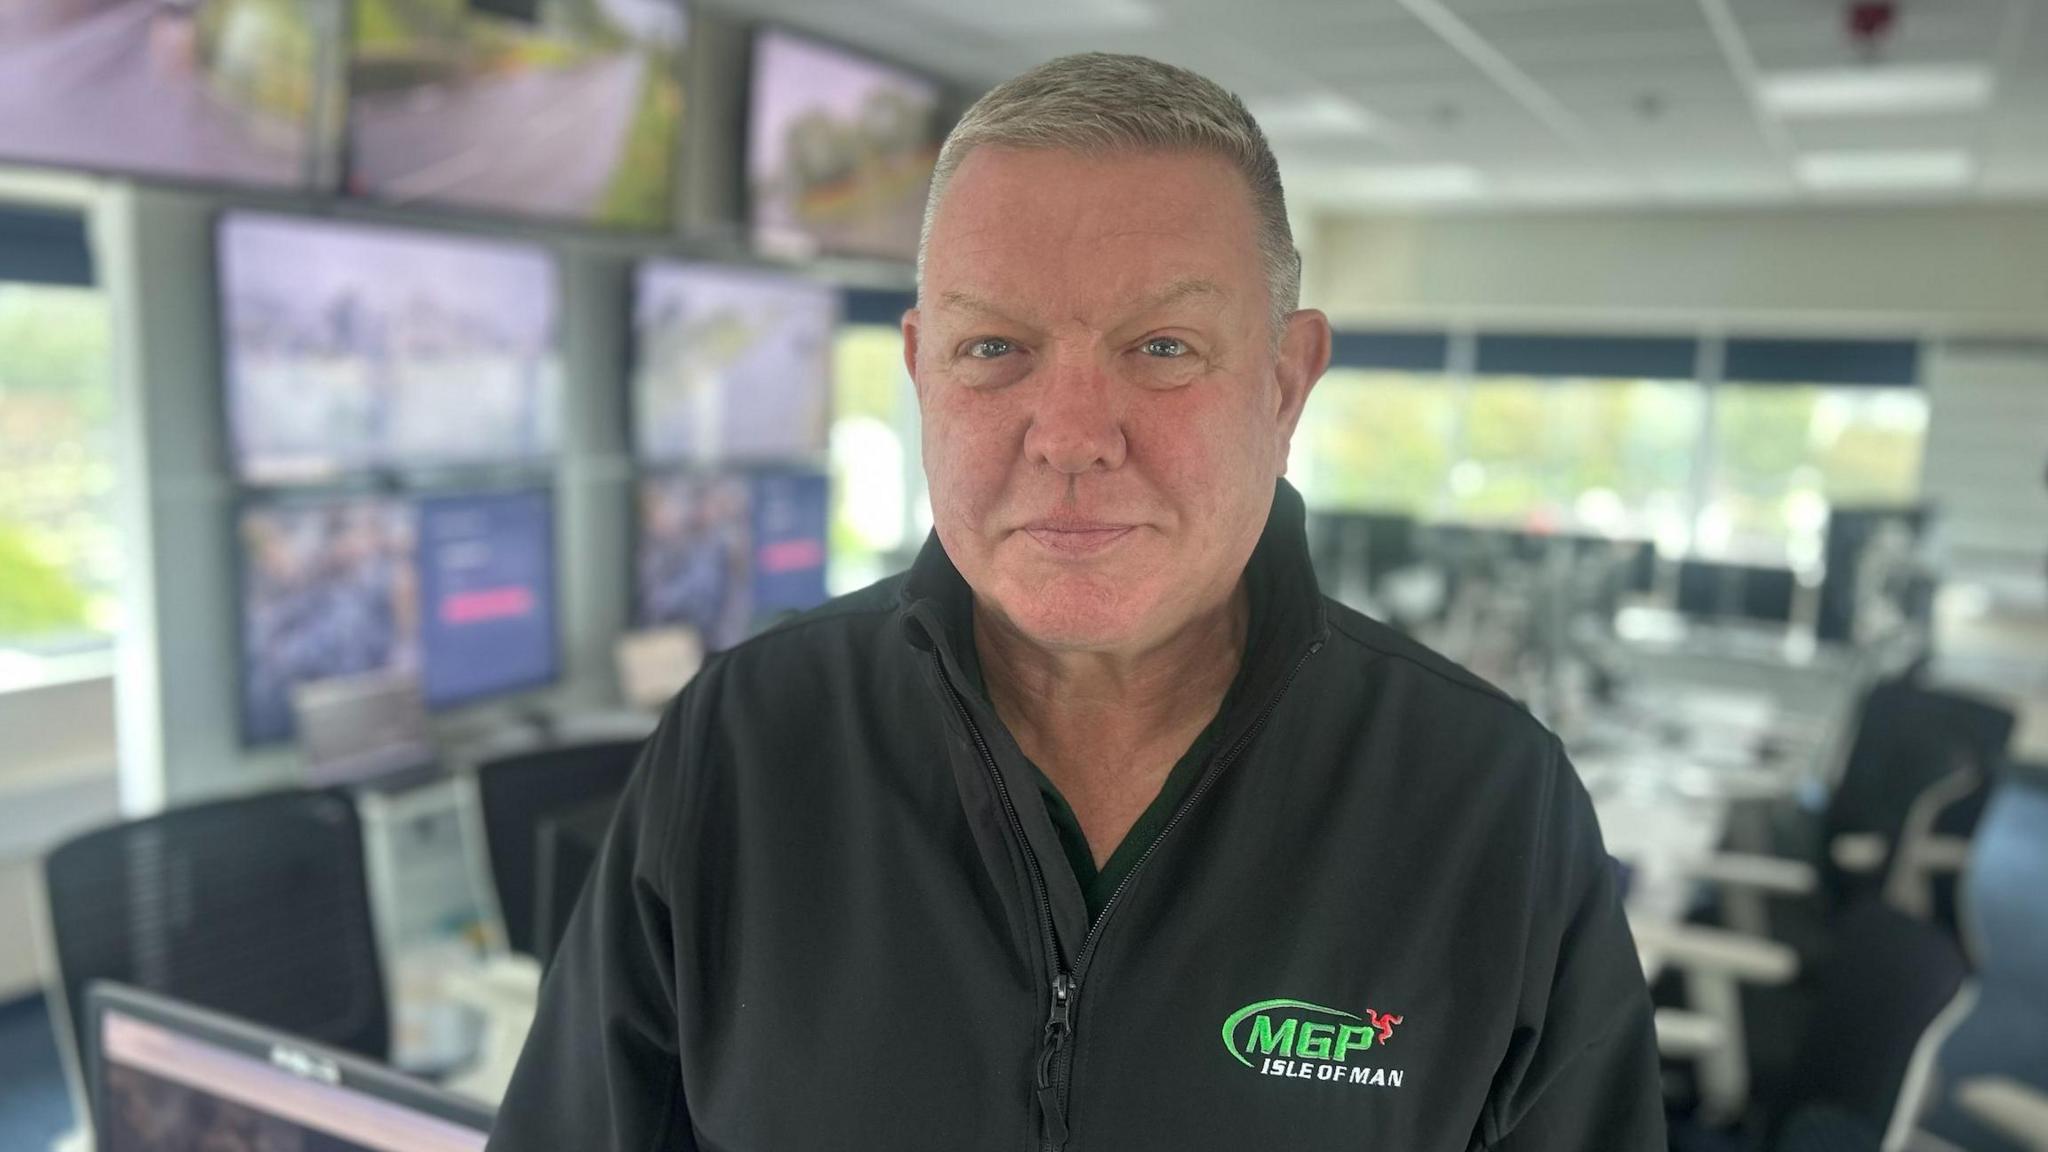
[(733, 364), (487, 591), (695, 558), (229, 91), (574, 114), (455, 590), (840, 151), (726, 554), (351, 347), (792, 522)]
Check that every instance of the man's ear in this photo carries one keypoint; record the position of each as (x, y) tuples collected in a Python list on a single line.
[(1303, 358), (910, 334)]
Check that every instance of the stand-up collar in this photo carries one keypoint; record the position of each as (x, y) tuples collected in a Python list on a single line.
[(1286, 604)]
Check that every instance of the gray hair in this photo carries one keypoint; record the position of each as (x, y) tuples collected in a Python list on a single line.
[(1097, 102)]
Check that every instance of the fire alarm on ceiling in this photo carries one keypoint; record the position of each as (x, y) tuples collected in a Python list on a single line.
[(1870, 23)]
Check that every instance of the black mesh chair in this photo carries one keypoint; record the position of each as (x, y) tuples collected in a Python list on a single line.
[(518, 793), (254, 907), (1883, 986)]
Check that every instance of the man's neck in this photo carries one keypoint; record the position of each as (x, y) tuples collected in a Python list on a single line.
[(1107, 728)]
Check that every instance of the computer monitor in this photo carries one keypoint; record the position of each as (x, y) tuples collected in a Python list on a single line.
[(454, 589), (732, 364), (840, 149), (356, 729), (328, 589), (694, 562), (351, 348), (487, 595), (792, 521), (563, 109), (166, 1077), (239, 92)]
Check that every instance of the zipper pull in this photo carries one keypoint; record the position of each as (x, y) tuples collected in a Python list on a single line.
[(1059, 1027)]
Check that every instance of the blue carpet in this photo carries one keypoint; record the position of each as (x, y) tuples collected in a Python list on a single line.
[(35, 1108)]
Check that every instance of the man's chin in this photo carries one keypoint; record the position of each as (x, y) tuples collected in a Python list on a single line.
[(1073, 619)]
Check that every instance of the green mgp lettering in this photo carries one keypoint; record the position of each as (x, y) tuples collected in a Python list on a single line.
[(1351, 1037), (1265, 1041), (1315, 1041)]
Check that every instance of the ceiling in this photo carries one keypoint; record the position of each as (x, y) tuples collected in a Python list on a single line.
[(1503, 103)]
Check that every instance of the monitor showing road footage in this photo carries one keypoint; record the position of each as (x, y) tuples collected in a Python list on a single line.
[(733, 364), (571, 110), (840, 149), (220, 91), (351, 348)]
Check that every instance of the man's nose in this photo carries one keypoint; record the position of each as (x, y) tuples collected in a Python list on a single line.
[(1077, 423)]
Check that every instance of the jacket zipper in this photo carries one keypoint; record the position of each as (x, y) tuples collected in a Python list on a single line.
[(1059, 1023), (1055, 1059)]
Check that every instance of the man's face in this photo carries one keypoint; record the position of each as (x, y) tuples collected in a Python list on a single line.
[(1104, 410)]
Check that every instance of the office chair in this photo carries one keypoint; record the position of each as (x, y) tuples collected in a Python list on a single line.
[(1988, 1089), (518, 792), (254, 907)]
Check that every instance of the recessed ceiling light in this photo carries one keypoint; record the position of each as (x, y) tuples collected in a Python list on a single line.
[(1886, 171), (1878, 90), (1407, 183), (1320, 116)]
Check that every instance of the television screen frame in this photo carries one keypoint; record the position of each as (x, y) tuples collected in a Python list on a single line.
[(794, 242), (322, 169), (639, 418), (398, 500), (381, 458), (351, 185)]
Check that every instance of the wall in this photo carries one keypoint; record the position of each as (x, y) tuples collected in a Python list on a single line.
[(1972, 269)]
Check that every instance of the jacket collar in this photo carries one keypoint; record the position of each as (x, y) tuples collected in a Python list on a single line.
[(1287, 611)]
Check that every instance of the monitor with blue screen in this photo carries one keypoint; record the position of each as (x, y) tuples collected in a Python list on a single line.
[(487, 594), (792, 517)]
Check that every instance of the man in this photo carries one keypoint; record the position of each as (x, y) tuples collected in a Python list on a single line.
[(1101, 828)]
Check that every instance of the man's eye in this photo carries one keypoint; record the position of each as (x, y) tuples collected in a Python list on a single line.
[(989, 348), (1165, 347)]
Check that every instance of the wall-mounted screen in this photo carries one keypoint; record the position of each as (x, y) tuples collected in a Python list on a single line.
[(328, 590), (840, 149), (350, 348), (219, 91), (487, 595), (573, 114), (694, 561), (792, 523), (732, 363), (456, 590)]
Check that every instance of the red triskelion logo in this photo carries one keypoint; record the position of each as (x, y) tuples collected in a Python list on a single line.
[(1303, 1041)]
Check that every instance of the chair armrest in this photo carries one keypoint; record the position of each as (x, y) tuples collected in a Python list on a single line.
[(2017, 1111), (1940, 854), (1690, 947), (1683, 1035), (1859, 852), (1773, 875)]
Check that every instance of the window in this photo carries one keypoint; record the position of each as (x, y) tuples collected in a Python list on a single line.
[(1783, 455), (1375, 441), (1605, 457), (879, 511), (59, 554)]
